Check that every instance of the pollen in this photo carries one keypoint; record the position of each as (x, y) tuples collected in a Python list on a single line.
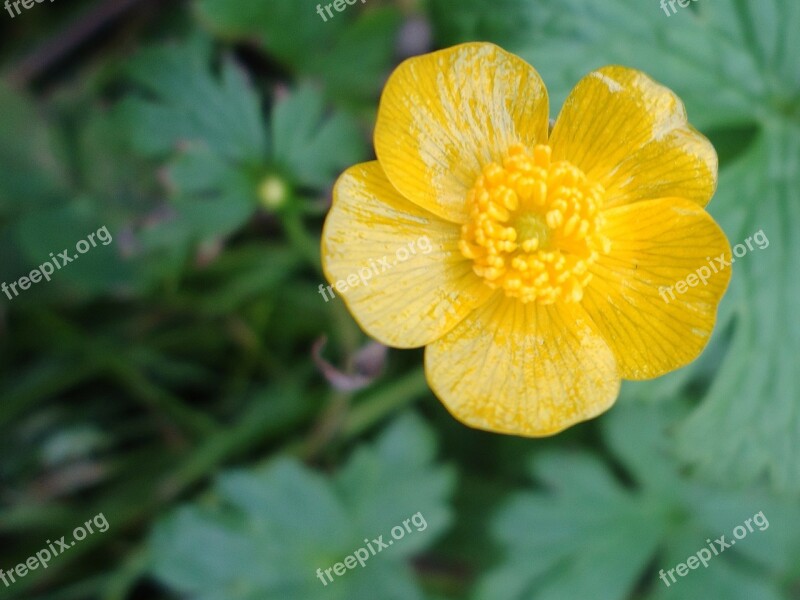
[(535, 227)]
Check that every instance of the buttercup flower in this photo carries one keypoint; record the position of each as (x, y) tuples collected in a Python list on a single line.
[(542, 289)]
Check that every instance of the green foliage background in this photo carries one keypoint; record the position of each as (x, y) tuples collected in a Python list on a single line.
[(167, 380)]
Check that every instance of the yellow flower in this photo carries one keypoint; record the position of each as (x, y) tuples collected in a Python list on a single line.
[(550, 252)]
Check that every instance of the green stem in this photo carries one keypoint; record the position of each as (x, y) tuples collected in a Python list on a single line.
[(121, 582), (306, 245), (195, 422), (43, 382), (329, 426), (85, 588), (264, 420), (375, 407)]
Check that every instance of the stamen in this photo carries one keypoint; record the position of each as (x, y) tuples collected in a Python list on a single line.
[(535, 227)]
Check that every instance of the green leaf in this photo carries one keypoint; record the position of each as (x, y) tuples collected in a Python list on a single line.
[(691, 51), (271, 529), (391, 482), (351, 52), (192, 105), (42, 235), (586, 534), (213, 123), (357, 66), (291, 31), (310, 146), (31, 174), (749, 425), (108, 168), (510, 23)]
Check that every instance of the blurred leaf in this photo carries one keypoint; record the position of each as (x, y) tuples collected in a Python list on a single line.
[(749, 425), (392, 480), (298, 297), (191, 105), (107, 186), (273, 528), (216, 127), (360, 62), (510, 23), (110, 169), (291, 30), (240, 275), (312, 148), (43, 233), (31, 175), (588, 535), (350, 52), (210, 196), (215, 132), (692, 51)]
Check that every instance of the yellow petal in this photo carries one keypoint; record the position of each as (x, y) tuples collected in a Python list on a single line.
[(446, 114), (524, 369), (655, 244), (631, 134), (416, 283)]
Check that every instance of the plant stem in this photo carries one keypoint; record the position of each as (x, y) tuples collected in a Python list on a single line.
[(306, 245), (375, 407), (195, 422)]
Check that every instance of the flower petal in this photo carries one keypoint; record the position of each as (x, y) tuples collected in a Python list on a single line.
[(525, 369), (631, 134), (655, 244), (445, 115), (417, 285)]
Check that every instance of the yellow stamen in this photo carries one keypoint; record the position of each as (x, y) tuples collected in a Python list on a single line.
[(535, 227)]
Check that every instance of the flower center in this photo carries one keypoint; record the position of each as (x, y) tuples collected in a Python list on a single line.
[(534, 227)]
